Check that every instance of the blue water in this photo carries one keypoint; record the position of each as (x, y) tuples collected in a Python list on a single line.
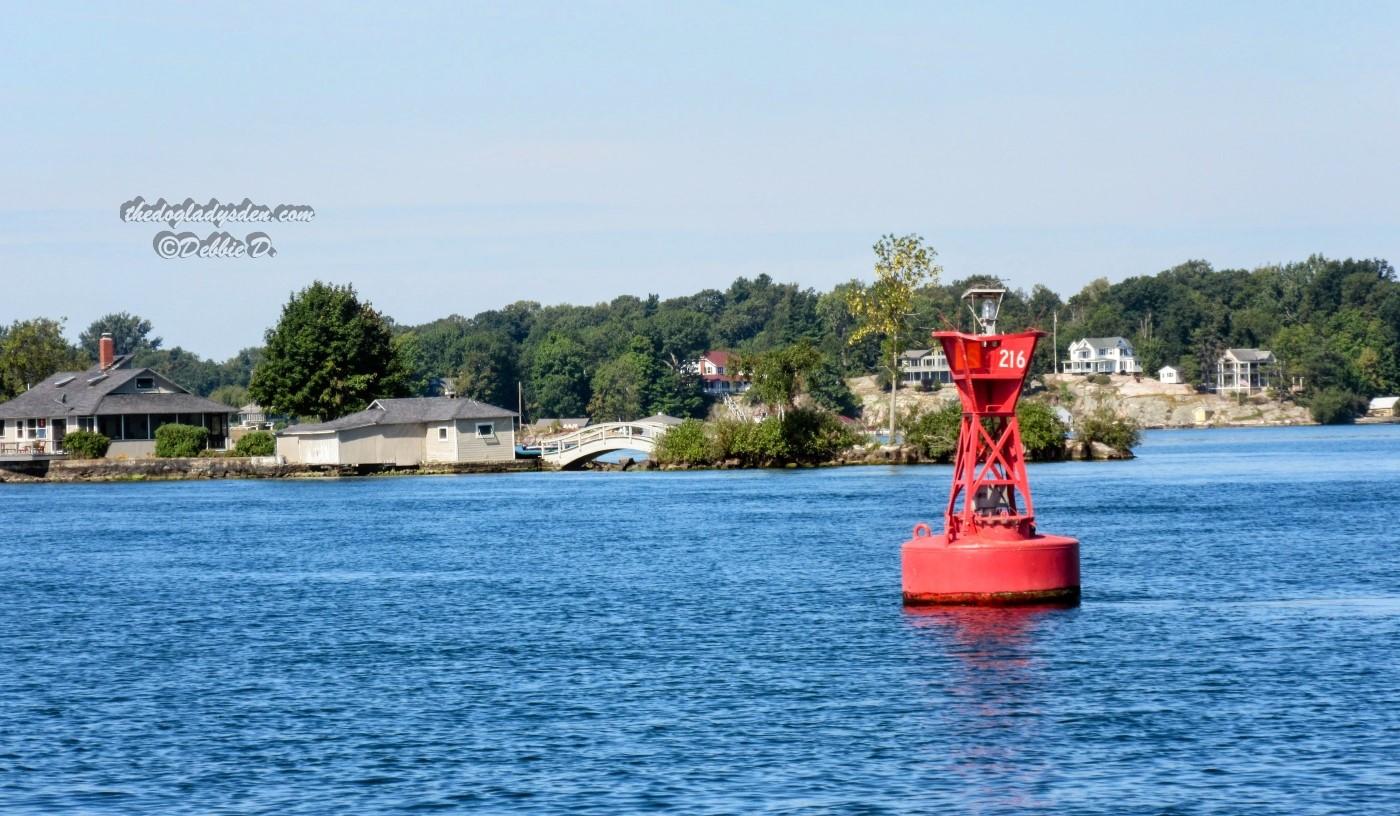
[(725, 642)]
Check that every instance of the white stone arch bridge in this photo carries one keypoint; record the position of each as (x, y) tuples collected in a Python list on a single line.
[(574, 450)]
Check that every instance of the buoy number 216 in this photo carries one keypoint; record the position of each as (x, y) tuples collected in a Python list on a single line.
[(1006, 358)]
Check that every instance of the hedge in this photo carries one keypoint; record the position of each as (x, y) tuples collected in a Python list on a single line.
[(178, 441), (86, 445), (257, 443)]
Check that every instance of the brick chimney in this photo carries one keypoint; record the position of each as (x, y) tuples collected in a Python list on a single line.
[(106, 351)]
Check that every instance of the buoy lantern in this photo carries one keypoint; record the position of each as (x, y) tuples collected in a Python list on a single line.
[(989, 552)]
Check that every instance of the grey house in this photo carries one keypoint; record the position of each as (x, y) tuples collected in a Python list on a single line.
[(124, 404), (410, 431)]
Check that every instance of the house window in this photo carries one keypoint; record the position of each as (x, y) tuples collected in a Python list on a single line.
[(136, 427), (442, 433), (87, 423), (145, 383), (485, 429), (110, 426), (2, 427)]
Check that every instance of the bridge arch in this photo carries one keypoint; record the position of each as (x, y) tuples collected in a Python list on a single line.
[(574, 450)]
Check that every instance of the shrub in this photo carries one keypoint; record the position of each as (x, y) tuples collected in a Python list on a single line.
[(86, 445), (175, 440), (1100, 379), (257, 443), (814, 436), (1335, 406), (685, 444), (1103, 426), (934, 433), (1042, 432)]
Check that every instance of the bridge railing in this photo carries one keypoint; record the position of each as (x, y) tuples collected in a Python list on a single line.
[(646, 433)]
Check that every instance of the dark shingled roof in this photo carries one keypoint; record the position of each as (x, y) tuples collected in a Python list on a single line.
[(89, 393), (407, 411)]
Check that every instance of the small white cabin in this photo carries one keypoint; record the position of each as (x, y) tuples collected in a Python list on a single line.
[(1169, 375)]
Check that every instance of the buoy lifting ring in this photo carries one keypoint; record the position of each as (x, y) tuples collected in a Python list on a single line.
[(922, 530)]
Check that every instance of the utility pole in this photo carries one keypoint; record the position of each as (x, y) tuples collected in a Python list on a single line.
[(1055, 340)]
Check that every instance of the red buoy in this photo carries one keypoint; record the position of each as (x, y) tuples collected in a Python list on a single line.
[(990, 552)]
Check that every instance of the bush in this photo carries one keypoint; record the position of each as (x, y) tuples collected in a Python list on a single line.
[(685, 444), (175, 440), (934, 433), (86, 445), (1042, 432), (1103, 426), (1100, 379), (257, 443), (1335, 406), (800, 436)]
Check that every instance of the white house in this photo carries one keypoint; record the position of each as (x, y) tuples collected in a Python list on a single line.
[(919, 366), (1244, 370), (1383, 407), (1168, 374), (1101, 355), (405, 432), (715, 377)]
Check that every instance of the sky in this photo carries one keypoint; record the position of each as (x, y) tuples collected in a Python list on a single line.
[(460, 157)]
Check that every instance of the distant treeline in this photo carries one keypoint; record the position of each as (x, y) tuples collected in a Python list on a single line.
[(1335, 324)]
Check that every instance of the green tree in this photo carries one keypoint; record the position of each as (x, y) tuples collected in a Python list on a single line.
[(1335, 406), (235, 396), (902, 265), (934, 432), (558, 377), (621, 388), (130, 334), (329, 355), (32, 350), (488, 370), (1042, 432), (777, 377)]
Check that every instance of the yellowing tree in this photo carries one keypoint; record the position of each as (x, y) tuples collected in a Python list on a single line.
[(902, 265)]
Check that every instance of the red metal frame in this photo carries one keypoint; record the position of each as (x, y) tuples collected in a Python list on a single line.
[(990, 496)]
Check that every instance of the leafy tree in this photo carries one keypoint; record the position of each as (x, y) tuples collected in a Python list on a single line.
[(934, 432), (1105, 427), (488, 369), (559, 377), (687, 444), (130, 334), (902, 265), (234, 396), (32, 350), (777, 377), (1335, 406), (827, 388), (329, 355), (620, 388), (677, 392), (1042, 432)]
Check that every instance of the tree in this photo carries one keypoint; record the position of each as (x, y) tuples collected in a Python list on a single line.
[(328, 355), (558, 377), (234, 396), (902, 265), (777, 377), (32, 350), (488, 371), (620, 388), (130, 334)]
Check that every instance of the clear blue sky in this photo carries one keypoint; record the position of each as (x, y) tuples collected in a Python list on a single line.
[(463, 157)]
